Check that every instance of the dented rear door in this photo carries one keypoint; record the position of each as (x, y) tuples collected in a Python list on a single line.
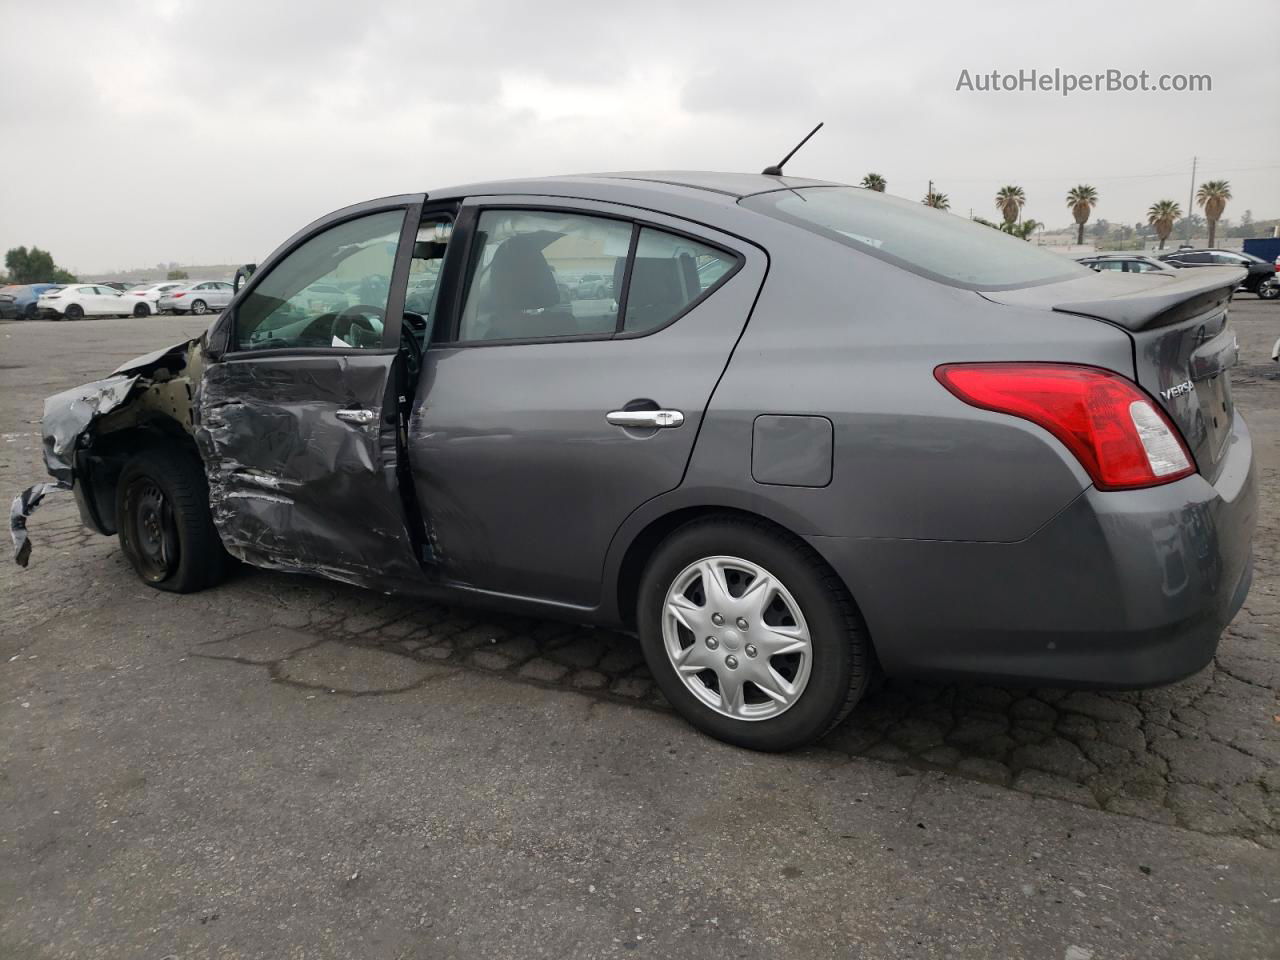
[(296, 414)]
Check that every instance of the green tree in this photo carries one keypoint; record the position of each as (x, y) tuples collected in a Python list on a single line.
[(1022, 231), (939, 201), (1162, 215), (1009, 201), (1081, 200), (177, 275), (1213, 196), (34, 266), (873, 181)]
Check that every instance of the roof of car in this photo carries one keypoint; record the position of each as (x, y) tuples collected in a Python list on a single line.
[(732, 186)]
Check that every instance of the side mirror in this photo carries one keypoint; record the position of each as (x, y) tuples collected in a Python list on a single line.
[(242, 276)]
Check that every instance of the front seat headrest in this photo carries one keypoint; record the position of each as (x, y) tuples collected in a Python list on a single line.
[(520, 278)]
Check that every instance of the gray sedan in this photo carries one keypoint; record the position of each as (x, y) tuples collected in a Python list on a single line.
[(815, 433), (199, 297)]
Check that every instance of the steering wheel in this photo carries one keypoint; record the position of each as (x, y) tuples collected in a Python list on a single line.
[(356, 316)]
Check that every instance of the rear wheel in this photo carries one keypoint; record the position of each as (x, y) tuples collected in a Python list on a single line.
[(1270, 289), (750, 636), (30, 312), (142, 310), (199, 307), (75, 312), (165, 527)]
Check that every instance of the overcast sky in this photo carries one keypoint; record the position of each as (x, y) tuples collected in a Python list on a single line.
[(158, 130)]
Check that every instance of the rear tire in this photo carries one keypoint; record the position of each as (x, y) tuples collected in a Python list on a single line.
[(807, 600), (142, 310), (30, 312), (1269, 290), (74, 312), (199, 307), (165, 527)]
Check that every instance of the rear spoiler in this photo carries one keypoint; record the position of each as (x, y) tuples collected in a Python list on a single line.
[(1200, 291)]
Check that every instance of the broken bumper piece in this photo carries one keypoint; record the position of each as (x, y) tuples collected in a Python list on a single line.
[(66, 417), (24, 504)]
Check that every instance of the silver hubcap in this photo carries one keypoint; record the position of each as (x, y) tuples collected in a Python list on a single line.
[(736, 638)]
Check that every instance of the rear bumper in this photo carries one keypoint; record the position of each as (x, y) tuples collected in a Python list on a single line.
[(1121, 589)]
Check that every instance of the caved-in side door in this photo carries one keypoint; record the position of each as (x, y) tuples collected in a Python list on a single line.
[(297, 412)]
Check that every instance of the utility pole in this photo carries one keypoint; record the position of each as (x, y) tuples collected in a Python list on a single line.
[(930, 192), (1191, 199)]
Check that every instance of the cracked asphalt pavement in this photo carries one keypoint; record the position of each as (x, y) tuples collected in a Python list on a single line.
[(288, 767)]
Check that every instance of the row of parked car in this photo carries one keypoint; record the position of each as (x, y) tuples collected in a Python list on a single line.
[(74, 301), (1263, 278)]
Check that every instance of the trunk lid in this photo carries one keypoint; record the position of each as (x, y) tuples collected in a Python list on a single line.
[(1183, 345)]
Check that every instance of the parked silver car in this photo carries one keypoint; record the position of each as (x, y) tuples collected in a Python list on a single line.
[(197, 297), (816, 432), (1126, 263)]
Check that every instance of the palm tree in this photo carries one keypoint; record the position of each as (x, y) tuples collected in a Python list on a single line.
[(1162, 215), (939, 201), (1081, 200), (1023, 230), (873, 181), (1213, 196), (1009, 201)]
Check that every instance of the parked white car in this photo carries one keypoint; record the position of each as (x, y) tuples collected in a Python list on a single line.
[(78, 300), (199, 296), (146, 298)]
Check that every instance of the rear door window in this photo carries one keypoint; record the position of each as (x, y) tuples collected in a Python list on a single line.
[(537, 274), (668, 275)]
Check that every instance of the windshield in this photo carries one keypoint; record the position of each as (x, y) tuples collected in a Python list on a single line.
[(932, 243)]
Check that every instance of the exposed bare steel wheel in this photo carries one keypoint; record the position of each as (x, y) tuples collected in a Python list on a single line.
[(164, 522)]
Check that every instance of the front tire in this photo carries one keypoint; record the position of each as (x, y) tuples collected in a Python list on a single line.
[(142, 310), (165, 527), (750, 635), (199, 307)]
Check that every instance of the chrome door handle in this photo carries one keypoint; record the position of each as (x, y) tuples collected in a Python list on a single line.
[(362, 417), (645, 418)]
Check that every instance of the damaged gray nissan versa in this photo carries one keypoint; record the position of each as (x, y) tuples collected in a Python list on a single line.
[(791, 433)]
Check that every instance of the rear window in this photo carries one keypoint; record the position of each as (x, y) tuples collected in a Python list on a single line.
[(928, 242)]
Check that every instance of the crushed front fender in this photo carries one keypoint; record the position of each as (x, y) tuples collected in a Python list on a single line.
[(69, 424)]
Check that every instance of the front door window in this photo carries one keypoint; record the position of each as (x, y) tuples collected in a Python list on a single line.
[(330, 292)]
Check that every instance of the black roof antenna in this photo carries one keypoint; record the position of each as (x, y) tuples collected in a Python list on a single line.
[(776, 169)]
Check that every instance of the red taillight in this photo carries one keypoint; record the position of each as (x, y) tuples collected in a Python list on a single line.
[(177, 295), (1111, 426)]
